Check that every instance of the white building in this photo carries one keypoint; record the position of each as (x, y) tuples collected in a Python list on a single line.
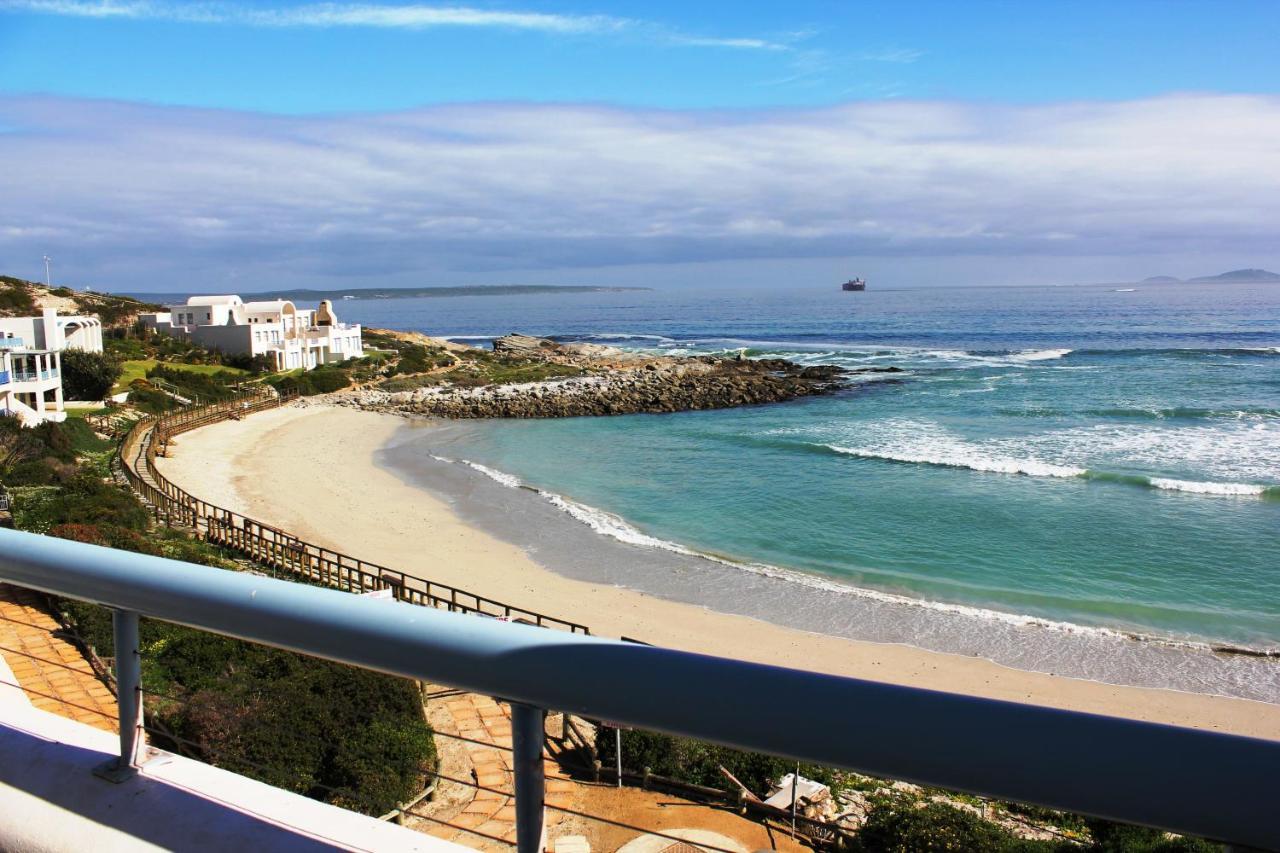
[(31, 362), (293, 337)]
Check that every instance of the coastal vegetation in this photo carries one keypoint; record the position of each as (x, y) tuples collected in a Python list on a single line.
[(895, 816), (88, 375), (343, 735), (16, 297), (22, 298)]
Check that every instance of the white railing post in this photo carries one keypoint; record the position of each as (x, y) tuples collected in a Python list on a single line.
[(528, 730), (128, 699)]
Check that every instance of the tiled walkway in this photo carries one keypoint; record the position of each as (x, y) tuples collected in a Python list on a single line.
[(483, 719), (78, 686)]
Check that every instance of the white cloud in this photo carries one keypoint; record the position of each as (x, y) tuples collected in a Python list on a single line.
[(896, 55), (379, 16), (490, 187)]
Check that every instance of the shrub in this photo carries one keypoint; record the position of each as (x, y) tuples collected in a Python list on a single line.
[(302, 724), (1109, 837), (87, 500), (88, 375), (902, 824), (322, 380), (205, 386), (699, 763), (15, 297), (255, 364)]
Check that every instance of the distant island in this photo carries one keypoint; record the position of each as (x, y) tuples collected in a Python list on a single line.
[(1250, 275), (304, 294)]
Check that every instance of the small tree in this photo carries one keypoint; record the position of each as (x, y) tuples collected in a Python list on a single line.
[(88, 375)]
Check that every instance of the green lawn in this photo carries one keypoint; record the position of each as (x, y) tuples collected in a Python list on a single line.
[(137, 369)]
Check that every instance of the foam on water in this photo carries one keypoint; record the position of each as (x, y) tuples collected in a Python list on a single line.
[(615, 527), (959, 458), (508, 480)]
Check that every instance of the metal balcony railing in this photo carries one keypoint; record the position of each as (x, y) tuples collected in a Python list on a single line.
[(11, 343), (1186, 780)]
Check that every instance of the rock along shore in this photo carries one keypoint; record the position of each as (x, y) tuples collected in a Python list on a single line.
[(611, 382)]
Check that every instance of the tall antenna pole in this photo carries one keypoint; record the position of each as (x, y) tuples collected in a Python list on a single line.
[(48, 282)]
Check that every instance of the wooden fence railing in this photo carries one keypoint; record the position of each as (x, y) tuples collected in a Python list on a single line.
[(272, 546)]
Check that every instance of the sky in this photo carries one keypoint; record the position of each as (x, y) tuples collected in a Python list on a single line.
[(151, 145)]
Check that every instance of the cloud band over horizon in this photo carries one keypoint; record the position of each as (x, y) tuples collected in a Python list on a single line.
[(490, 187)]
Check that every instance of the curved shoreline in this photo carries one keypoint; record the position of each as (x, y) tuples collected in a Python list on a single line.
[(313, 470)]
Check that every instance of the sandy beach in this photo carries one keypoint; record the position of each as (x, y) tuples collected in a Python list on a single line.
[(312, 470)]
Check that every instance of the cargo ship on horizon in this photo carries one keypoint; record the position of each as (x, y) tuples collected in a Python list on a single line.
[(854, 284)]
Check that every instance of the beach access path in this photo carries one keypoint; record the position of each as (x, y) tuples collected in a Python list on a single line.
[(311, 470)]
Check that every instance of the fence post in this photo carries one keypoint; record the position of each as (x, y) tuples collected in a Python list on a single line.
[(528, 730), (128, 699)]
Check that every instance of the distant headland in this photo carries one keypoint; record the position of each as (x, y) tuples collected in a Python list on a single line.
[(306, 295), (1242, 276)]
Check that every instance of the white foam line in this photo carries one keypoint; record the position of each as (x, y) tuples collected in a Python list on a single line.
[(508, 480), (1200, 488), (1030, 467), (615, 527)]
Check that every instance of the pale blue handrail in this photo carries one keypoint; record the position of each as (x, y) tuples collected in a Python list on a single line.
[(1191, 781)]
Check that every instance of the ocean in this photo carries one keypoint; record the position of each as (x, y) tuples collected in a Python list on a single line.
[(1079, 480)]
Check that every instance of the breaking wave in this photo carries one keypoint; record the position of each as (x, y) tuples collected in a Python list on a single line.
[(615, 527), (1038, 468)]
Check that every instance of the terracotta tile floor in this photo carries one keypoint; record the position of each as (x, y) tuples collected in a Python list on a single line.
[(490, 812), (77, 686)]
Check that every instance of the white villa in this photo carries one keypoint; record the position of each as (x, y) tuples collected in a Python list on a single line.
[(31, 362), (292, 336)]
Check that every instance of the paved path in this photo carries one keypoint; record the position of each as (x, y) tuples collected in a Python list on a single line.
[(76, 686), (483, 719)]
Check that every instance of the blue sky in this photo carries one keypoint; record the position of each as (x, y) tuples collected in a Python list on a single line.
[(245, 144), (291, 58)]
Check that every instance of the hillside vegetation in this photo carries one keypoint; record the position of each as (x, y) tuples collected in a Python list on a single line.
[(22, 298), (347, 736)]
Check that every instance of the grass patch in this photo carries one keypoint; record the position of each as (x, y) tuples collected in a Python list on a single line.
[(479, 372), (135, 369)]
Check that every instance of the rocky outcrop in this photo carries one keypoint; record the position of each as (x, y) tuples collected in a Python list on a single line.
[(618, 382)]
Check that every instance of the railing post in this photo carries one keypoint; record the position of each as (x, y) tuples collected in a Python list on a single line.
[(128, 699), (527, 734)]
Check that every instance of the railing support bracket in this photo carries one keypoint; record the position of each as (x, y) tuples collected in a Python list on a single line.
[(528, 732), (125, 766)]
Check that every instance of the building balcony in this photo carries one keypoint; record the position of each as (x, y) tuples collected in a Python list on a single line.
[(34, 375), (12, 343)]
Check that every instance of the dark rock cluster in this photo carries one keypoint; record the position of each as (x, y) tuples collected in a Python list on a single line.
[(618, 382)]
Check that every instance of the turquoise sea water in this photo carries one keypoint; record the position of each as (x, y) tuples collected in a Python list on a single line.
[(1081, 455)]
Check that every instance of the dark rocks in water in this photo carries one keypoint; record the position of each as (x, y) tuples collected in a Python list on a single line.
[(617, 382)]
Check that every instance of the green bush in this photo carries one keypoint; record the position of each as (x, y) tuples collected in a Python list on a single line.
[(255, 364), (902, 825), (204, 386), (84, 499), (322, 380), (15, 297), (292, 721), (88, 375), (1109, 837), (699, 762)]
